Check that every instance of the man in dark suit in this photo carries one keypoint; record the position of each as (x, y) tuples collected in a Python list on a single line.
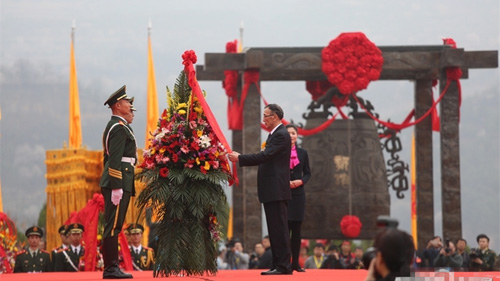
[(273, 181), (33, 259), (117, 180)]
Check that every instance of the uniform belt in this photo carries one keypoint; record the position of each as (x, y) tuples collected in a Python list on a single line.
[(130, 160)]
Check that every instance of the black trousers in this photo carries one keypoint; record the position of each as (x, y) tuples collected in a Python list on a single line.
[(114, 216), (295, 239), (279, 236)]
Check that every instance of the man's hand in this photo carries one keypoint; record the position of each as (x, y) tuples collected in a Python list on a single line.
[(116, 196), (371, 271), (233, 156)]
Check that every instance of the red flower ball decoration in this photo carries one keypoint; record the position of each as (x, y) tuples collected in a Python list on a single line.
[(350, 226), (189, 56), (351, 61)]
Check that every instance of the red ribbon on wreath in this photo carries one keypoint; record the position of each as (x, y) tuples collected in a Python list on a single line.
[(188, 59), (351, 61), (350, 226)]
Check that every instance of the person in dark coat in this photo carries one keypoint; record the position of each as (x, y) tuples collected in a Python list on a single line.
[(273, 184), (32, 259), (300, 173), (70, 259), (117, 180)]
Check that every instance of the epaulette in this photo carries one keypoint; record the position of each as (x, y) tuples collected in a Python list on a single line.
[(44, 251), (147, 248), (121, 122), (20, 252)]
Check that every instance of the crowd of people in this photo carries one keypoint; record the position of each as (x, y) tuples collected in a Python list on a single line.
[(233, 256), (455, 256)]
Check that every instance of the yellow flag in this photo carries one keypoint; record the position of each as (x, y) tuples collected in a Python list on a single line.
[(75, 127), (152, 114), (230, 225), (413, 193)]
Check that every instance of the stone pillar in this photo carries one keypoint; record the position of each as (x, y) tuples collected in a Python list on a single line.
[(423, 163), (237, 190), (252, 222), (450, 160)]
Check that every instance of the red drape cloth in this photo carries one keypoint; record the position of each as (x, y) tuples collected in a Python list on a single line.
[(89, 218), (230, 84), (125, 251), (189, 58)]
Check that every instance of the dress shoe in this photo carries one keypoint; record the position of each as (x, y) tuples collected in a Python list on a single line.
[(276, 272), (114, 272), (299, 269)]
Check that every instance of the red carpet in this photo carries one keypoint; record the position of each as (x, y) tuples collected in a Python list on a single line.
[(229, 275)]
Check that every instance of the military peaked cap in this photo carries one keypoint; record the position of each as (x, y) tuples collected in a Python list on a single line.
[(34, 230), (74, 228), (62, 229), (135, 228), (120, 94)]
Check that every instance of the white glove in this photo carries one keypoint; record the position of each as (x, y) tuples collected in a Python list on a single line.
[(116, 196)]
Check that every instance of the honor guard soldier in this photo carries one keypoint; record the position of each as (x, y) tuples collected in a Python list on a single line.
[(117, 180), (142, 257), (33, 259), (71, 258), (64, 244)]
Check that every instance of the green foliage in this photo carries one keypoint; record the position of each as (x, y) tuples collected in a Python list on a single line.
[(42, 217)]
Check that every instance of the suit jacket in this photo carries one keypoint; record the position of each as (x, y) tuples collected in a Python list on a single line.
[(273, 178), (26, 263), (297, 206), (302, 171), (118, 141)]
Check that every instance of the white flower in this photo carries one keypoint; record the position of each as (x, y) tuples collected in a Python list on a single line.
[(204, 141), (160, 135)]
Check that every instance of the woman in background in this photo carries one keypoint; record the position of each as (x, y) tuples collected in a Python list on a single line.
[(300, 173)]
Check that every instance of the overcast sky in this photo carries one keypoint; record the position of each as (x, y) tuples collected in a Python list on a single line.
[(111, 50)]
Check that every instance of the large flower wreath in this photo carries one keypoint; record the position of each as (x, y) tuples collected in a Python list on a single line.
[(184, 169)]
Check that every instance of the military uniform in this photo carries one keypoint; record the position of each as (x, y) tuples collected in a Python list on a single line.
[(55, 251), (30, 260), (142, 257), (70, 259), (120, 156), (488, 257)]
